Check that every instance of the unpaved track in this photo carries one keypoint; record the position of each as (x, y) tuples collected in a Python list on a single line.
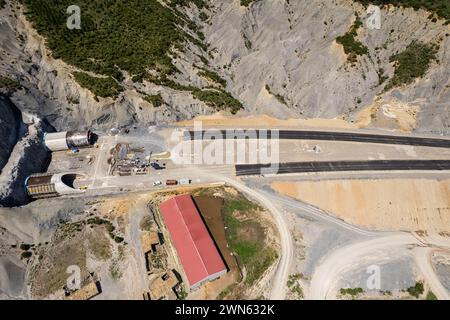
[(139, 282), (423, 259), (319, 214), (287, 250), (326, 275)]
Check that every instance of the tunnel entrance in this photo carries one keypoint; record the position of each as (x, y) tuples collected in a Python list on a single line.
[(69, 180)]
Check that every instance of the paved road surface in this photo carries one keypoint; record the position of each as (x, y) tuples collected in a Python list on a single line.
[(333, 166), (324, 135)]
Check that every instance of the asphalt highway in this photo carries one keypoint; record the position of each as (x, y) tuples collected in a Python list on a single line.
[(332, 166), (320, 135)]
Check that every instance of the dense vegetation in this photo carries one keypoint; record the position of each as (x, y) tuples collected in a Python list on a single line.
[(352, 47), (124, 35), (100, 86), (217, 98), (118, 35), (2, 4), (412, 63), (440, 7)]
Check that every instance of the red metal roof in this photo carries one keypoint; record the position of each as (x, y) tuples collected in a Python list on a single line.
[(193, 243)]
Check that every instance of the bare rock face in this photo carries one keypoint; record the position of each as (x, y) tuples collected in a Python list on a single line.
[(21, 152), (10, 124), (284, 61), (28, 156)]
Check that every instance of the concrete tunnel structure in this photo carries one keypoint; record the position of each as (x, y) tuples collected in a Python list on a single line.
[(40, 186), (60, 141)]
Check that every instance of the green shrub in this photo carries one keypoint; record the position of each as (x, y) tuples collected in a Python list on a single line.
[(279, 97), (440, 7), (412, 63), (203, 16), (183, 3), (118, 239), (246, 3), (102, 87), (156, 100), (213, 76), (416, 290), (219, 99), (8, 83), (352, 47), (26, 255), (351, 291), (25, 247), (431, 296)]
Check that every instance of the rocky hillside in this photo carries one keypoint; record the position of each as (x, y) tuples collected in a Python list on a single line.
[(318, 59), (156, 62), (10, 124)]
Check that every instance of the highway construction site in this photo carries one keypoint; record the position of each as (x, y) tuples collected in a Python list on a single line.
[(334, 206)]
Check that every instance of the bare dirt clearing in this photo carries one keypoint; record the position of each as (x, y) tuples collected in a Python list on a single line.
[(409, 204), (210, 209), (264, 121)]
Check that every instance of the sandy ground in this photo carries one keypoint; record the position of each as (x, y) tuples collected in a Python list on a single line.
[(264, 121), (408, 204), (389, 116), (392, 115)]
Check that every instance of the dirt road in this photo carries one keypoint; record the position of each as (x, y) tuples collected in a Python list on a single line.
[(287, 250), (326, 276), (423, 258)]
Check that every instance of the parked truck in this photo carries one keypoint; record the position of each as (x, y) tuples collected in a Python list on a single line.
[(184, 182), (171, 182)]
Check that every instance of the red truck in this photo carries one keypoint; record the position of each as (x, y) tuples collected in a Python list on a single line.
[(171, 182)]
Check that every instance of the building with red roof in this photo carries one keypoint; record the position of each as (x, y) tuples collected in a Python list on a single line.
[(196, 249)]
